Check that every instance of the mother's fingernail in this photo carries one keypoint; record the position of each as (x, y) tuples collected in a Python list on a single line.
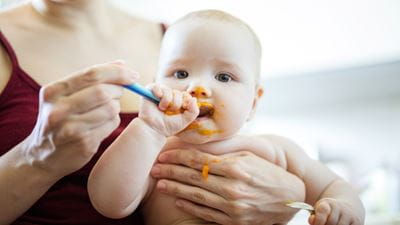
[(162, 158), (155, 171), (133, 75), (161, 186)]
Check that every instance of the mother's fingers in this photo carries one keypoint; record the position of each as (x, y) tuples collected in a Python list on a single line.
[(112, 73), (83, 134), (98, 116), (106, 128), (215, 184), (193, 194), (190, 158), (91, 97), (227, 165), (205, 213)]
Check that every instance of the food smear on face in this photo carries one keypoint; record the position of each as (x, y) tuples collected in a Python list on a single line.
[(201, 130), (206, 109), (170, 113), (199, 92), (205, 104)]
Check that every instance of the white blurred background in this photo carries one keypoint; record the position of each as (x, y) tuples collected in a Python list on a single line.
[(331, 73)]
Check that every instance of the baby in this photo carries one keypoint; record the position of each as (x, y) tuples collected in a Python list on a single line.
[(208, 85)]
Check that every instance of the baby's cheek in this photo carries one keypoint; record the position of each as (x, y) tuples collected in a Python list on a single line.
[(225, 115)]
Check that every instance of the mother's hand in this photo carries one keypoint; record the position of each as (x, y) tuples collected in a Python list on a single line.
[(75, 115), (241, 188)]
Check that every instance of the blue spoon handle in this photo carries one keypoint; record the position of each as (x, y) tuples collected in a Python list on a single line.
[(142, 91)]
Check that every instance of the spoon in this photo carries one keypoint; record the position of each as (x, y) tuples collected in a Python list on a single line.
[(205, 108), (300, 205), (142, 91)]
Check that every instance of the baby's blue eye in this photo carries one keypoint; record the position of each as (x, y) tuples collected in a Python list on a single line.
[(223, 77), (181, 74)]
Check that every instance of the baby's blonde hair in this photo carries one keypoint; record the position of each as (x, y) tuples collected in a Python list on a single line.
[(218, 15), (224, 17)]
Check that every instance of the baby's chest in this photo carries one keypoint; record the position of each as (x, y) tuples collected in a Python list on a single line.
[(161, 208)]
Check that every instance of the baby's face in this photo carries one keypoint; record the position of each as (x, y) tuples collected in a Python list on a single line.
[(217, 63)]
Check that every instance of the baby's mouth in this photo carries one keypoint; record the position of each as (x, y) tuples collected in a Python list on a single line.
[(206, 109)]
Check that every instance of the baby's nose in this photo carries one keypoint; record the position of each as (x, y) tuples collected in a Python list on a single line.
[(199, 92)]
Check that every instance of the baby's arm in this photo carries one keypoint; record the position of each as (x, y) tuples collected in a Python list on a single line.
[(334, 200), (120, 179)]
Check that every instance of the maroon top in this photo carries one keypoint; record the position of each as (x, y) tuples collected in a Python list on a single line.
[(67, 201)]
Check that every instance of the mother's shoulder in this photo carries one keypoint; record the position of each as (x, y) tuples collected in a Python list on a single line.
[(13, 15), (146, 25)]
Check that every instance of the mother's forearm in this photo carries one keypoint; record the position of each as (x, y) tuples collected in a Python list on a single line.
[(21, 184)]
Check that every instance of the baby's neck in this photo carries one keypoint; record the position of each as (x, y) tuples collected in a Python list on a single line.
[(217, 147)]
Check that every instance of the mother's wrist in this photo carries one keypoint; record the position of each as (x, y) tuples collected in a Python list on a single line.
[(20, 161), (33, 158)]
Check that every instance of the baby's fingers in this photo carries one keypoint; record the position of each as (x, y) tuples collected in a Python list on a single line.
[(334, 216), (191, 109), (177, 101), (190, 103), (164, 94), (346, 218), (322, 212)]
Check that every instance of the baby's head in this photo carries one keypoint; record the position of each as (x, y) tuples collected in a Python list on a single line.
[(215, 57)]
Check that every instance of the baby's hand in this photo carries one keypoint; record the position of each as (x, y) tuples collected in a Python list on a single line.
[(174, 113), (329, 211)]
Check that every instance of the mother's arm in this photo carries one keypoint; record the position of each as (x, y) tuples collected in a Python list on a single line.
[(75, 115), (241, 188)]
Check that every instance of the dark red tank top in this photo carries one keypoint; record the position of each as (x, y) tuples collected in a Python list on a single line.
[(67, 201)]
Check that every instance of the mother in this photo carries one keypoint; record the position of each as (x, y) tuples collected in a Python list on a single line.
[(55, 122)]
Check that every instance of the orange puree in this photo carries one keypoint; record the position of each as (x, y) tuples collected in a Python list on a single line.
[(200, 130), (204, 171), (200, 104), (207, 132), (169, 112), (206, 168), (173, 112), (200, 92)]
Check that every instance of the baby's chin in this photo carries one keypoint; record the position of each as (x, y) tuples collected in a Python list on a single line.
[(193, 137)]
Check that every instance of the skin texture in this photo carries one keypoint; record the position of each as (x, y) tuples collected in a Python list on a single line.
[(81, 95), (206, 66), (78, 35), (216, 63), (204, 51), (150, 131)]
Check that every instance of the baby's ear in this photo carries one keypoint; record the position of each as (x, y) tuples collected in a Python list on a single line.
[(258, 95)]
